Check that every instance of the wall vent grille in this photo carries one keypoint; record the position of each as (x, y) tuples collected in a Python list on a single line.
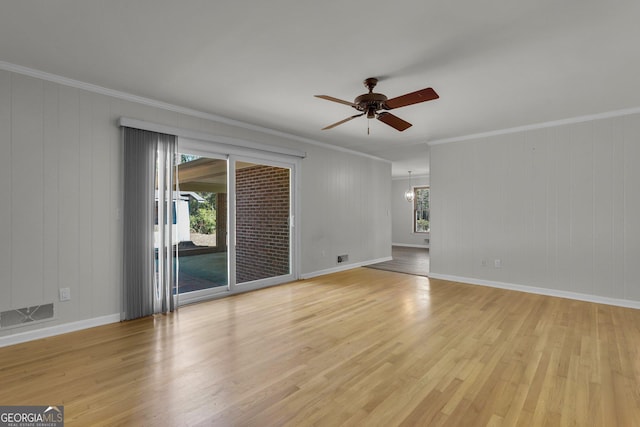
[(26, 315)]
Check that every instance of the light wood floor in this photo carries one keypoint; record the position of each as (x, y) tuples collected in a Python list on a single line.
[(406, 260), (364, 347)]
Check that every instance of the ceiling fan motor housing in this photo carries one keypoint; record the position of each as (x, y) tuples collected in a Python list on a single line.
[(370, 103)]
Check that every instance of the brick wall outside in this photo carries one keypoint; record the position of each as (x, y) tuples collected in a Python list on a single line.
[(221, 221), (262, 222)]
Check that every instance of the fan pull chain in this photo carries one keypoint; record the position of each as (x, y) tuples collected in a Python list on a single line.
[(367, 127)]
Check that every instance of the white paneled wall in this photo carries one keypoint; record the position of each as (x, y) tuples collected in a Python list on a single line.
[(61, 194), (559, 207), (61, 183), (378, 210), (27, 173), (5, 191), (345, 209)]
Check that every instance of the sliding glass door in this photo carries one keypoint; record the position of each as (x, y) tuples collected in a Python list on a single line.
[(263, 221), (234, 223), (201, 211)]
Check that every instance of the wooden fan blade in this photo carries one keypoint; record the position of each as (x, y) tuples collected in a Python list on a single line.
[(423, 95), (331, 98), (393, 121), (343, 121)]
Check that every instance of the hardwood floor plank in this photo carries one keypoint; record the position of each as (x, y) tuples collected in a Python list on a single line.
[(360, 347)]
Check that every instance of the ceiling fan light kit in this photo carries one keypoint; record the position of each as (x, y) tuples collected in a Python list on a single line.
[(372, 103)]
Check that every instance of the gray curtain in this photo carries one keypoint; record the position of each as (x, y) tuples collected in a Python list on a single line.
[(149, 268)]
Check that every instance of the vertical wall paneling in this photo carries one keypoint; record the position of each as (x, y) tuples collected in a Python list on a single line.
[(486, 203), (632, 208), (315, 210), (562, 153), (617, 190), (338, 205), (5, 190), (116, 161), (101, 209), (50, 194), (538, 219), (603, 201), (558, 206), (339, 188), (467, 203), (69, 198), (27, 180), (380, 208), (377, 209), (454, 221), (551, 205), (511, 214), (86, 224), (582, 208), (357, 206), (437, 186)]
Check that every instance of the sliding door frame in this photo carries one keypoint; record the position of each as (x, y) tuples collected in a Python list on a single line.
[(216, 291), (231, 201), (207, 148)]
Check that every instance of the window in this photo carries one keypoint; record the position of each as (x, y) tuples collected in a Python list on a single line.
[(421, 210)]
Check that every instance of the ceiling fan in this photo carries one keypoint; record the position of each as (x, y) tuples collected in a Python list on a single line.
[(371, 103)]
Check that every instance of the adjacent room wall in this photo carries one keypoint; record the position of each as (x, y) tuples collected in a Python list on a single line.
[(559, 207), (402, 214), (61, 198)]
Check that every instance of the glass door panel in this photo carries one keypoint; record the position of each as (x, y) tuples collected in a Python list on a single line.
[(201, 205), (262, 221)]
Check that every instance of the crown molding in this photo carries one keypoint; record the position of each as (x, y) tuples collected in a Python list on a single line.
[(543, 125), (42, 75), (406, 177)]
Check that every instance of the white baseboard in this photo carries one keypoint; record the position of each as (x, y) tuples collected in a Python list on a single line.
[(540, 291), (343, 268), (58, 330), (407, 245)]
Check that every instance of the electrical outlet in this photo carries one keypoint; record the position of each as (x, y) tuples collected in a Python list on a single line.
[(497, 263), (484, 262), (65, 294), (342, 258)]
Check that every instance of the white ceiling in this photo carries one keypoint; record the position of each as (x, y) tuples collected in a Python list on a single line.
[(495, 64)]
